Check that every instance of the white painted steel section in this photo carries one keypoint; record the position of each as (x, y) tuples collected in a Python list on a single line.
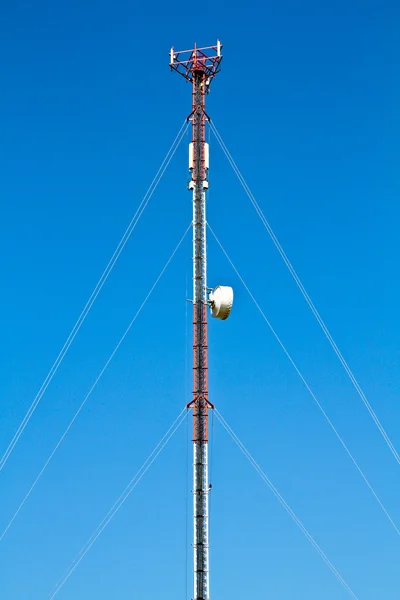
[(200, 508), (199, 231)]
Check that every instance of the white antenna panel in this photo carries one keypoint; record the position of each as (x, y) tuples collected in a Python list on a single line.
[(206, 156), (191, 156)]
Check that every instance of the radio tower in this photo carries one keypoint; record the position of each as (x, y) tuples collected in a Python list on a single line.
[(200, 66)]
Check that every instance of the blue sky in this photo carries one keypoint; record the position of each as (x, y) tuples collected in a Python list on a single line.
[(307, 102)]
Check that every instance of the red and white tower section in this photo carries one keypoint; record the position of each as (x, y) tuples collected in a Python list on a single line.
[(200, 66)]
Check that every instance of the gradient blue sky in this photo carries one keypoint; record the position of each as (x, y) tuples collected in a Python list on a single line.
[(307, 101)]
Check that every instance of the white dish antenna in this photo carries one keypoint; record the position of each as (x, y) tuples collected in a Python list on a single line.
[(221, 300)]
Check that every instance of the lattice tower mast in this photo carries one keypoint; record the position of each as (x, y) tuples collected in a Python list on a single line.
[(199, 66)]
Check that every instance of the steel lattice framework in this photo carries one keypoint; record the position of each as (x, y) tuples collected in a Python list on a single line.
[(199, 66)]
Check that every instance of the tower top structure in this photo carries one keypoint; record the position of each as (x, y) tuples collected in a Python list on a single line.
[(206, 60)]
